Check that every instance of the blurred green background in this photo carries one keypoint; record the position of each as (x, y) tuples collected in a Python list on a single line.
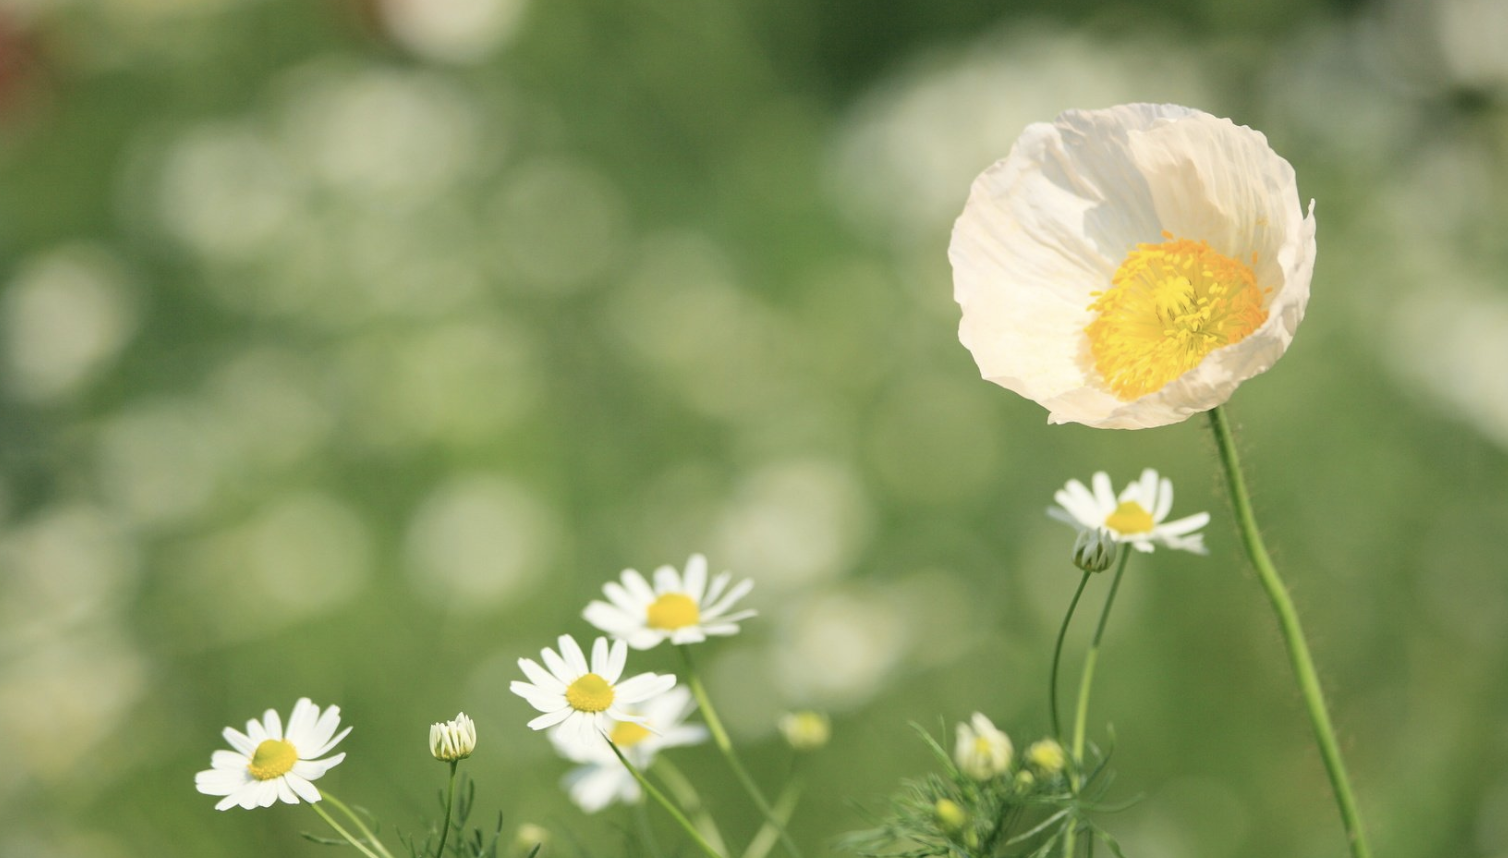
[(347, 348)]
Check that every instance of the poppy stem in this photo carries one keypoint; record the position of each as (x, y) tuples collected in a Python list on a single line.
[(1293, 634)]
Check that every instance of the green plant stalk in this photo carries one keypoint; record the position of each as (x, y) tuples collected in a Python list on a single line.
[(341, 831), (1057, 656), (360, 825), (785, 805), (664, 802), (724, 744), (1086, 685), (450, 799), (1293, 634), (690, 801)]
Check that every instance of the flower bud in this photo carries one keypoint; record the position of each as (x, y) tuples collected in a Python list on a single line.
[(982, 752), (805, 730), (1025, 781), (1094, 549), (1046, 756), (950, 817), (453, 740)]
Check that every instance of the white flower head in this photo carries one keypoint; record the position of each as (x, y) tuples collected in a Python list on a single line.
[(585, 700), (602, 778), (982, 751), (679, 608), (1129, 267), (270, 764), (1137, 515), (453, 740)]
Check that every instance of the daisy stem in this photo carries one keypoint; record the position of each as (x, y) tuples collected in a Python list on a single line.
[(1086, 685), (360, 825), (342, 832), (666, 803), (1057, 655), (1293, 634), (724, 744), (785, 805), (690, 800), (450, 799)]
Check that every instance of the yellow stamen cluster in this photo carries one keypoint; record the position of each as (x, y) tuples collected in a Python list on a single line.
[(673, 611), (1130, 517), (626, 734), (1168, 306), (590, 693), (272, 759)]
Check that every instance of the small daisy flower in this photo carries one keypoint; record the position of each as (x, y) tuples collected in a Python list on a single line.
[(269, 764), (1129, 267), (453, 740), (583, 701), (982, 751), (603, 779), (680, 609), (1136, 516)]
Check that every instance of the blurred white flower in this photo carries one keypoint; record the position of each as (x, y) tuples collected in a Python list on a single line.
[(1130, 267), (1137, 515), (270, 764), (453, 740), (603, 779), (585, 700), (680, 609), (982, 751)]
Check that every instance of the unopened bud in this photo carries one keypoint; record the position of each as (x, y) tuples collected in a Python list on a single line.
[(453, 740), (1094, 549), (1046, 756), (805, 730), (950, 817)]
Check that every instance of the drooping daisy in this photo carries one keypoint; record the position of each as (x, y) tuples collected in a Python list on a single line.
[(585, 700), (680, 609), (602, 779), (1129, 267), (982, 751), (1137, 515), (269, 764)]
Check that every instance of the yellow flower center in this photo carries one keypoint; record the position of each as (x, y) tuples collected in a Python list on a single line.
[(626, 734), (590, 693), (1130, 517), (272, 759), (1168, 306), (673, 611)]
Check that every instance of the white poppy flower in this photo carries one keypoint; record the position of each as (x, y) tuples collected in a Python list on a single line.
[(680, 609), (603, 779), (1137, 515), (1129, 267), (270, 764), (585, 700)]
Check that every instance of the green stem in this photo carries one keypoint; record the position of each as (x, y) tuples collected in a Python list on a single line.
[(360, 825), (1293, 635), (690, 800), (1057, 655), (1086, 684), (664, 802), (785, 805), (724, 744), (450, 798), (341, 831)]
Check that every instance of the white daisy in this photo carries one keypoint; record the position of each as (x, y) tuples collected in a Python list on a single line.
[(603, 779), (271, 764), (585, 700), (982, 751), (681, 609), (453, 740), (1136, 516), (1129, 267)]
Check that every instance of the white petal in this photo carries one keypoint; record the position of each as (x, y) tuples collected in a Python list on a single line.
[(667, 580), (274, 724), (1104, 493), (695, 580), (564, 673), (617, 656), (625, 600), (637, 587), (541, 678), (609, 618), (575, 659), (240, 741), (550, 719), (643, 686), (305, 790)]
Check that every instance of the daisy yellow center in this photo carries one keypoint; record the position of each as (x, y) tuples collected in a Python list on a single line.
[(1168, 306), (1130, 517), (590, 693), (673, 611), (272, 759), (626, 734)]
